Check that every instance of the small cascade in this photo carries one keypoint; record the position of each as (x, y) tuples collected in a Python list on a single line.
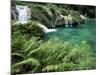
[(82, 17), (66, 21), (62, 19), (70, 20), (23, 14), (46, 30)]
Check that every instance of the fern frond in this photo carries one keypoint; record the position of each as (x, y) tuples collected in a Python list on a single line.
[(17, 54), (31, 61)]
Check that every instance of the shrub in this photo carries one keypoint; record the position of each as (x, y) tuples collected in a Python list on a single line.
[(53, 55), (22, 60), (30, 29), (42, 14)]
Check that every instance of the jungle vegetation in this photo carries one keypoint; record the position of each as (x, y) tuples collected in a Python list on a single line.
[(30, 53)]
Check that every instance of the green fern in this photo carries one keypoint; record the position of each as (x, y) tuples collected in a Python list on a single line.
[(33, 62)]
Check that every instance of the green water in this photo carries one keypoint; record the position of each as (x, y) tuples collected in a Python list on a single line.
[(85, 32)]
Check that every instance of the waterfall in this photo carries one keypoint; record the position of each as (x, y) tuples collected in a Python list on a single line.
[(82, 17), (46, 30), (70, 20), (23, 12), (66, 21), (60, 17)]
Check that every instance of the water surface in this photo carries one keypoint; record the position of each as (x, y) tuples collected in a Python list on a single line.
[(85, 32)]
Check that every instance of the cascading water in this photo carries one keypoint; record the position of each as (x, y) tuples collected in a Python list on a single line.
[(63, 18), (24, 16), (66, 21), (46, 30), (23, 12)]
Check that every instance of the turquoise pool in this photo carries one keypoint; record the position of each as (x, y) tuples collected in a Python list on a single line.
[(85, 32)]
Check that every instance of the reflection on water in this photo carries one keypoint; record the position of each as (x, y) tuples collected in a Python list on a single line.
[(86, 32)]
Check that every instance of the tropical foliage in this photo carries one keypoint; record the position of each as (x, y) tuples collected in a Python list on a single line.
[(30, 53), (29, 29), (33, 55), (54, 55)]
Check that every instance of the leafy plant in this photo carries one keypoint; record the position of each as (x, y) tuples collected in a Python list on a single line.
[(25, 60), (31, 54), (30, 29), (53, 55)]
